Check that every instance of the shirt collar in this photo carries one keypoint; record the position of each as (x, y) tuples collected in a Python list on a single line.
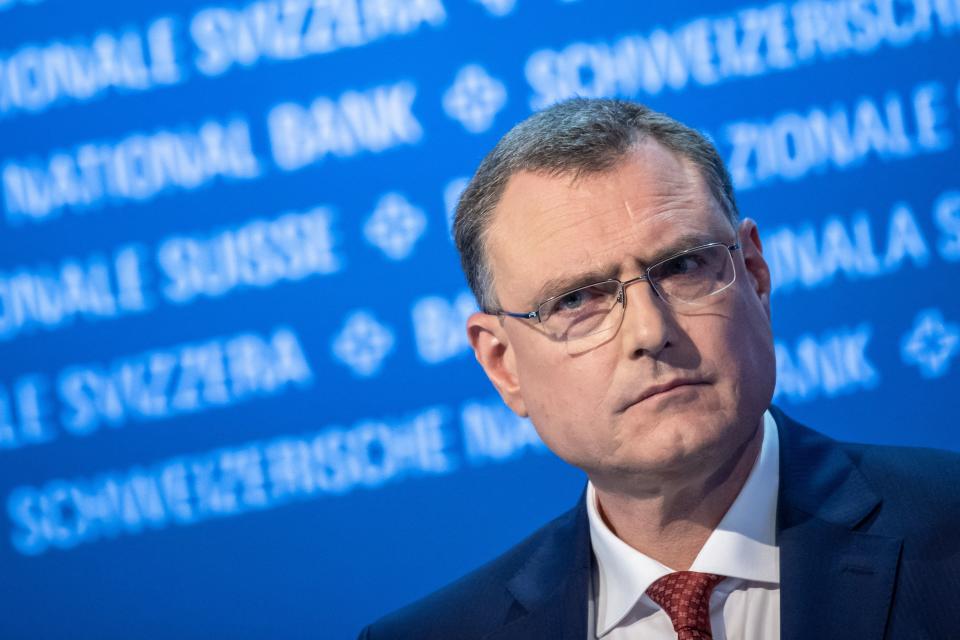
[(742, 546)]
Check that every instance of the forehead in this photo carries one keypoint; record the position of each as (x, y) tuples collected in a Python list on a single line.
[(548, 227)]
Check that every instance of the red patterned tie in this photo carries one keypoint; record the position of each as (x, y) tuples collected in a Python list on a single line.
[(685, 596)]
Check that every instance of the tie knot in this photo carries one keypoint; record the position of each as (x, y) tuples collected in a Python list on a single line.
[(685, 597)]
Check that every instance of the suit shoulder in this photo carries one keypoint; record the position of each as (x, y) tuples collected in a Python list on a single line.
[(933, 468), (901, 469), (922, 482), (472, 606)]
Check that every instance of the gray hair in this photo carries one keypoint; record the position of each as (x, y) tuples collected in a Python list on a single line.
[(580, 136)]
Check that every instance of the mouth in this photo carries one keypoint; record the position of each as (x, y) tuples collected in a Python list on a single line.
[(660, 389)]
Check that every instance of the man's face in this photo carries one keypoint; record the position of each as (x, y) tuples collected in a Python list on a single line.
[(593, 407)]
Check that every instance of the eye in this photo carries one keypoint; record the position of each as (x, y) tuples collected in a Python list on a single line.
[(586, 300), (681, 265), (572, 301)]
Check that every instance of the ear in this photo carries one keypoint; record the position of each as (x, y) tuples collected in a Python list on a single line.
[(757, 269), (491, 346)]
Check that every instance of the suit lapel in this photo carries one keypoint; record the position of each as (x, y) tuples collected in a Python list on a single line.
[(836, 579), (551, 587)]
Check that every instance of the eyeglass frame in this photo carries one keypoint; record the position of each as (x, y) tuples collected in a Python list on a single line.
[(623, 284)]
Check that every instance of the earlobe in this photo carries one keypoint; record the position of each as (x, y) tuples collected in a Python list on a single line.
[(757, 269), (493, 351)]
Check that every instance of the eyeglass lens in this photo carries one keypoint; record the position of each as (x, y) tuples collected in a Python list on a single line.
[(685, 278)]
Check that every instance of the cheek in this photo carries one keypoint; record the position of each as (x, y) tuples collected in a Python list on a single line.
[(563, 395), (552, 384), (546, 369), (736, 345), (747, 354)]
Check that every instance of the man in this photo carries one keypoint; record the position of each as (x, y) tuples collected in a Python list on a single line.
[(626, 311)]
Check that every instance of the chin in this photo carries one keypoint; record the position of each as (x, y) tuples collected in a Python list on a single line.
[(683, 441), (681, 419), (658, 456)]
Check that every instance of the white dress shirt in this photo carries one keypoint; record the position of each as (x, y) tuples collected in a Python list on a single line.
[(744, 606)]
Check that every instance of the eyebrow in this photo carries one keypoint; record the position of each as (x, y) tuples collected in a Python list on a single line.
[(569, 282)]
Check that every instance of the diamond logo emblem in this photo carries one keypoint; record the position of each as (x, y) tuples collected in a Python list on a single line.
[(475, 98), (363, 344), (931, 344), (395, 226)]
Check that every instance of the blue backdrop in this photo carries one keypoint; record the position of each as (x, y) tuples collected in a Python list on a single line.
[(236, 398)]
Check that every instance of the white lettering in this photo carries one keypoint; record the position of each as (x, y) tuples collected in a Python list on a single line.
[(259, 253), (188, 378), (809, 257), (93, 288), (292, 29), (904, 239), (748, 43), (373, 120), (135, 168), (439, 326), (793, 144), (228, 482), (832, 365), (946, 213), (25, 413), (35, 78), (492, 432)]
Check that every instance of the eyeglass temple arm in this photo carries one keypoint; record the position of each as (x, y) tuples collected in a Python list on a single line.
[(530, 315)]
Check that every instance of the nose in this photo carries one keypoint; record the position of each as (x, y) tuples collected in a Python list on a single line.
[(647, 323)]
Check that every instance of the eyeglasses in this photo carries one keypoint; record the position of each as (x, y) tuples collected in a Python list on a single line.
[(686, 277)]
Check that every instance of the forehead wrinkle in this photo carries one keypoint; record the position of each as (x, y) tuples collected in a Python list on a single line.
[(565, 216)]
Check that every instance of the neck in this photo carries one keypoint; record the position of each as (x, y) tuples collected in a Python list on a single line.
[(670, 519)]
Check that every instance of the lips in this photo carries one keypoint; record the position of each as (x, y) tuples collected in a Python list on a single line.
[(657, 389)]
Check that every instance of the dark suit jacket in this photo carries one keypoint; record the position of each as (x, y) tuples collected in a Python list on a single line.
[(869, 542)]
